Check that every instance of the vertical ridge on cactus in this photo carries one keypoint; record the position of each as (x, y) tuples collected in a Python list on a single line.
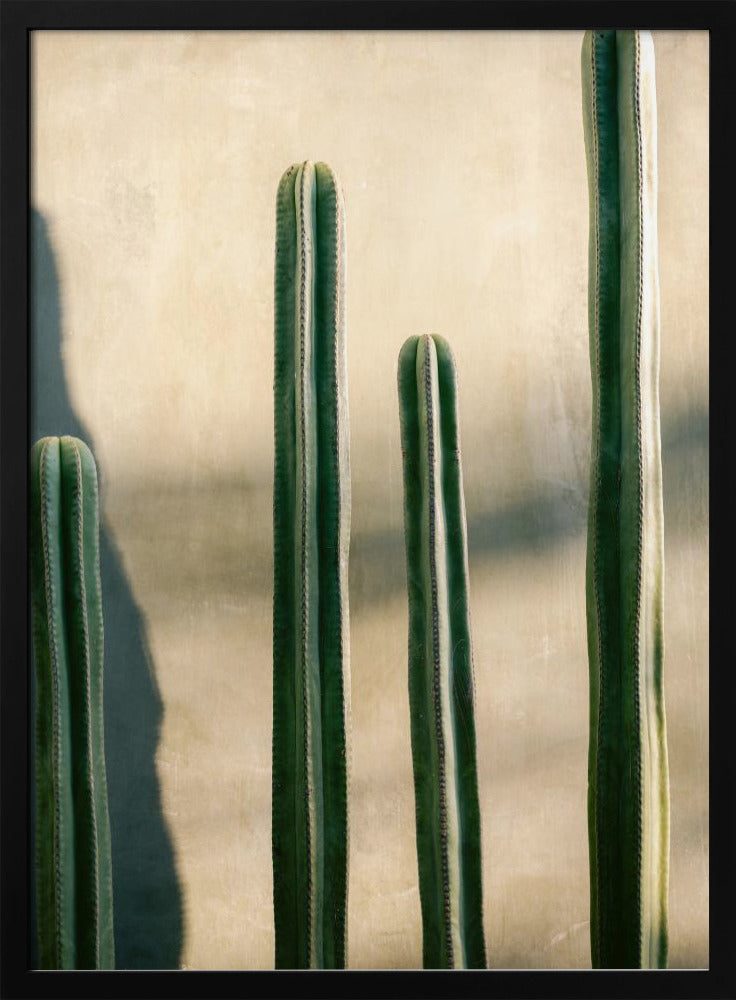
[(628, 786), (73, 850), (311, 541), (441, 684)]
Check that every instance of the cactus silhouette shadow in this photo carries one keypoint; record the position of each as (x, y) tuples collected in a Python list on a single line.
[(147, 897)]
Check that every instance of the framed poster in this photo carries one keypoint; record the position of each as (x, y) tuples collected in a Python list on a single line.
[(158, 134)]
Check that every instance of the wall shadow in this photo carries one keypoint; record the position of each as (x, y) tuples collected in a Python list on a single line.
[(545, 515), (530, 525), (147, 896)]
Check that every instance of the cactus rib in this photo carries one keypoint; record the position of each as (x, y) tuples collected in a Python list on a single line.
[(628, 785), (73, 850), (441, 684), (311, 539)]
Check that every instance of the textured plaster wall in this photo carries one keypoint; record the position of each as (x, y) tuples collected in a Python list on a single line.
[(155, 163)]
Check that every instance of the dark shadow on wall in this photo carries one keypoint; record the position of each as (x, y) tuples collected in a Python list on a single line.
[(540, 517), (147, 897)]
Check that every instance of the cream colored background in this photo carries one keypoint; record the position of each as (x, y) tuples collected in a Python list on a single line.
[(156, 158)]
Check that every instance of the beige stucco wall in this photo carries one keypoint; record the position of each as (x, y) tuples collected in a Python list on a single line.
[(155, 163)]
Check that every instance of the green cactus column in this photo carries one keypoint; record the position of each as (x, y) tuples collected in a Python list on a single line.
[(628, 786), (311, 540), (73, 854), (441, 682)]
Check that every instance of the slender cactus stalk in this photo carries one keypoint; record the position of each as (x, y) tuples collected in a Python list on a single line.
[(311, 541), (73, 853), (441, 684), (628, 785)]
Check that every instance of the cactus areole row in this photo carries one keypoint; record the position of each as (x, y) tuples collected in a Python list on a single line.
[(72, 836), (311, 540), (628, 790), (441, 686)]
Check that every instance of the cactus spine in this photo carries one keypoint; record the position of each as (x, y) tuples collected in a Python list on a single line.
[(73, 854), (440, 660), (311, 540), (628, 787)]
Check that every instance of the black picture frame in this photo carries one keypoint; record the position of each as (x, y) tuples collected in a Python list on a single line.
[(18, 18)]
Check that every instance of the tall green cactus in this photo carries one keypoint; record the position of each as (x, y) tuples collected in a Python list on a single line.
[(311, 540), (628, 786), (73, 854), (441, 680)]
